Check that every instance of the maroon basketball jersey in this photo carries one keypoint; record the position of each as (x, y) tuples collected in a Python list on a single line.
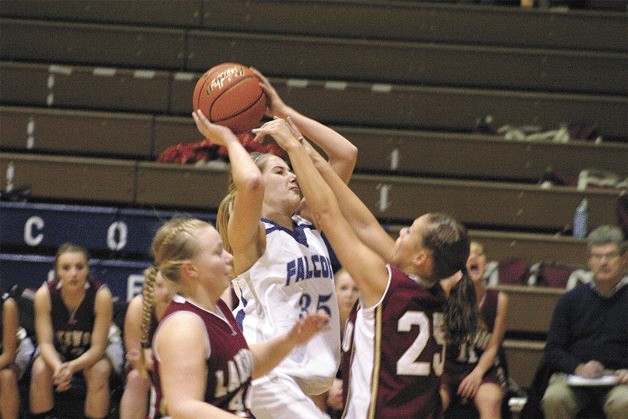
[(72, 329), (229, 362), (407, 352), (463, 358)]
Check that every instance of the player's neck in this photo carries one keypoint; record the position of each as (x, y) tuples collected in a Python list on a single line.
[(280, 219), (426, 283)]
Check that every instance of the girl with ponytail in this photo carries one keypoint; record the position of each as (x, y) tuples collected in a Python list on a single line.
[(149, 308), (281, 261), (475, 320), (394, 342), (202, 364)]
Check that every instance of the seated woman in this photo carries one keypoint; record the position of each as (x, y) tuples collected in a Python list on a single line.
[(73, 315), (9, 394), (135, 401), (16, 351), (472, 370)]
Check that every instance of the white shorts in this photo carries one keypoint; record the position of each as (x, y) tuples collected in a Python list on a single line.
[(278, 396)]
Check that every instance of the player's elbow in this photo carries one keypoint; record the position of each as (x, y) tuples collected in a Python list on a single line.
[(351, 154), (251, 183), (325, 219)]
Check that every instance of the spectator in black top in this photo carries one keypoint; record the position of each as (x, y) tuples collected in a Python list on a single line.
[(588, 336), (73, 314), (16, 350), (9, 394)]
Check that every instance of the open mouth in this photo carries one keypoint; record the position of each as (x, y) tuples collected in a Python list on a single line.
[(473, 268)]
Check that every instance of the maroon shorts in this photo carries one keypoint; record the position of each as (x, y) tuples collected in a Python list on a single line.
[(451, 382)]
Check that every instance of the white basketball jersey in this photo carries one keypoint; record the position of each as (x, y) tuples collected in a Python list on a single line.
[(293, 277)]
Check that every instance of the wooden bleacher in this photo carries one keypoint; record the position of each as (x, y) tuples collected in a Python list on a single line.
[(385, 105), (384, 151), (394, 198), (92, 92), (408, 20)]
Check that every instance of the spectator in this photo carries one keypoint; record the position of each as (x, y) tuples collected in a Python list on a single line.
[(9, 392), (472, 367), (283, 264), (134, 403), (347, 293), (588, 335), (73, 315), (202, 363)]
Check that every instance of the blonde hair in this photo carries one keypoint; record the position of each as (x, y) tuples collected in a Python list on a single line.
[(225, 209), (173, 244)]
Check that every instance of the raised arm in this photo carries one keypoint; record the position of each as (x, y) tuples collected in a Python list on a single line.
[(342, 154), (366, 267), (244, 228), (362, 220)]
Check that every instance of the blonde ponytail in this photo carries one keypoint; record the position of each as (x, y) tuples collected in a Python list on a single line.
[(148, 301), (225, 209)]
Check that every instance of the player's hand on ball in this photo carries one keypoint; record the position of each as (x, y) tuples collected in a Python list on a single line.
[(215, 133), (276, 106), (308, 326)]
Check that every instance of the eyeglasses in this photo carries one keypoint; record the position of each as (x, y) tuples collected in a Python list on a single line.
[(608, 256)]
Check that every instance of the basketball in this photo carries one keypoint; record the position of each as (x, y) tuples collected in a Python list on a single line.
[(229, 94)]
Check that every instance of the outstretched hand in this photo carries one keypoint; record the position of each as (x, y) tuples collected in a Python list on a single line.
[(283, 131), (309, 326), (276, 106), (216, 134)]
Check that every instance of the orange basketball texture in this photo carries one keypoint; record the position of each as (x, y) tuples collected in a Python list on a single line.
[(229, 94)]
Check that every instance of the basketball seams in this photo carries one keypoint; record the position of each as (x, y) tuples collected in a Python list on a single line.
[(252, 105), (231, 86), (237, 101)]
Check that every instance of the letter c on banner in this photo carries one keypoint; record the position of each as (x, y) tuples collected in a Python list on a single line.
[(31, 237), (122, 230)]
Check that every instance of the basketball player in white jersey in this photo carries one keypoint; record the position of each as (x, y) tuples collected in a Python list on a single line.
[(396, 330), (282, 263)]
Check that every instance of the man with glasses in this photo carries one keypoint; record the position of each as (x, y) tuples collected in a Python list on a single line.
[(587, 344)]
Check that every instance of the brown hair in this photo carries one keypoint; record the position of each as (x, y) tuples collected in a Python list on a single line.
[(449, 241), (70, 248), (462, 312), (174, 243), (225, 209)]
